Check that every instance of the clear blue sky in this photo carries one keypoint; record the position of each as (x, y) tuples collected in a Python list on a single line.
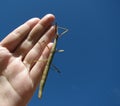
[(90, 64)]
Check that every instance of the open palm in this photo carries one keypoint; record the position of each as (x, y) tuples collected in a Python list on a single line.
[(20, 72)]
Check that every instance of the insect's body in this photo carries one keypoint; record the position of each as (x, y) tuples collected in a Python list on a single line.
[(47, 67), (49, 61)]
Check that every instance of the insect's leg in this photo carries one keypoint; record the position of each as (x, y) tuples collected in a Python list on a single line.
[(65, 30), (59, 51), (55, 68)]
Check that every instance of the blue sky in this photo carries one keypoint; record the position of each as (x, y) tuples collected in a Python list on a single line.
[(90, 64)]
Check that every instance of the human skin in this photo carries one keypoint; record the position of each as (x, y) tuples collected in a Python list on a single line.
[(20, 72)]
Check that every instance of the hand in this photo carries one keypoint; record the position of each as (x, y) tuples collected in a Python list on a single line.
[(20, 72)]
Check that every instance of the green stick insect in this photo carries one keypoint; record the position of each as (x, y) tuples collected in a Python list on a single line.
[(50, 58)]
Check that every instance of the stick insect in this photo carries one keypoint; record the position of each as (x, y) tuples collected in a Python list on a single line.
[(50, 58)]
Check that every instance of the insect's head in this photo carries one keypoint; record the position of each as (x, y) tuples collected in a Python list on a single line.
[(62, 32)]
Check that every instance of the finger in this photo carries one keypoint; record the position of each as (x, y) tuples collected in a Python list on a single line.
[(35, 35), (41, 27), (37, 50), (19, 34), (4, 58), (37, 70)]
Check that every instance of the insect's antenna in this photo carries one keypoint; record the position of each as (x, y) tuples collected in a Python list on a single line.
[(65, 30)]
